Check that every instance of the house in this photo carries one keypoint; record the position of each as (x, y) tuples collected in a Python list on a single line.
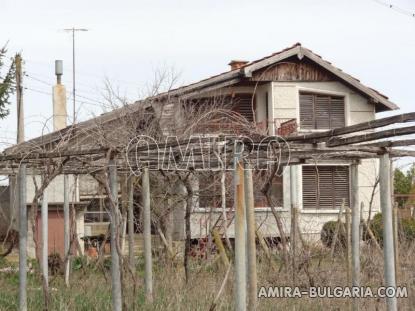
[(292, 91)]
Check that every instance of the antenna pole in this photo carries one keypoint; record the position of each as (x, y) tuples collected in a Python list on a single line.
[(73, 30)]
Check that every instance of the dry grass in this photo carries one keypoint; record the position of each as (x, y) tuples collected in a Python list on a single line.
[(90, 288)]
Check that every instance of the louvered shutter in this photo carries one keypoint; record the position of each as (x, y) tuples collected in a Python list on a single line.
[(243, 105), (337, 115), (325, 186), (309, 187), (322, 112), (306, 111), (341, 185)]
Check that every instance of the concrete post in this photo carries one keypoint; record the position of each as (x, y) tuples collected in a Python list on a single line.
[(251, 245), (22, 238), (114, 228), (148, 263), (130, 194), (388, 248), (355, 203), (44, 215), (240, 241), (66, 225), (294, 218)]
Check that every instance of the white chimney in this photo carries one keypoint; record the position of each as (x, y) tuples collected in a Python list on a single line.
[(59, 99)]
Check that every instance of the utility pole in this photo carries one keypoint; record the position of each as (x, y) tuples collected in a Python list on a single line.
[(19, 99), (73, 30)]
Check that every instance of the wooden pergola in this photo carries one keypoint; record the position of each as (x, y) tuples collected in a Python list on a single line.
[(351, 143)]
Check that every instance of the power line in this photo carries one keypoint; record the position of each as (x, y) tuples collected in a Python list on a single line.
[(94, 103), (76, 95), (396, 8)]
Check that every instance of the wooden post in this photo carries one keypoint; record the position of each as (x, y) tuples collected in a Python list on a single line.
[(355, 203), (223, 204), (388, 247), (19, 99), (362, 221), (130, 191), (148, 271), (251, 243), (21, 183), (294, 215), (114, 228), (44, 215), (240, 241), (396, 238), (220, 246), (348, 247), (66, 225), (338, 228)]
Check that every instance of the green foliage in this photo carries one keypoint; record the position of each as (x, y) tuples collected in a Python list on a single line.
[(327, 235), (402, 182), (7, 83), (376, 224), (79, 262), (406, 228)]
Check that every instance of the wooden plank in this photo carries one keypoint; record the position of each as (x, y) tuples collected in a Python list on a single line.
[(314, 137), (338, 141)]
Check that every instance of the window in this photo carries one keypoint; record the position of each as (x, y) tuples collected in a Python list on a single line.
[(319, 111), (325, 186), (243, 104)]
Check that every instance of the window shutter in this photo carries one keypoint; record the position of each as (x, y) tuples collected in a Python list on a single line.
[(322, 112), (326, 185), (337, 114), (309, 187), (341, 185), (243, 105), (333, 185), (306, 111)]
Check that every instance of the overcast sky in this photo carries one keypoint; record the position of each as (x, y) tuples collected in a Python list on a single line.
[(128, 40)]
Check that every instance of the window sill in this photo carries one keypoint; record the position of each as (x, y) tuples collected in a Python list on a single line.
[(320, 211), (219, 210)]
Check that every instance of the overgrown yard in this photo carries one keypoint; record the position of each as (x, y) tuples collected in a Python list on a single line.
[(90, 284)]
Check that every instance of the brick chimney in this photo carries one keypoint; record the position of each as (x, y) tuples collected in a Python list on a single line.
[(236, 64)]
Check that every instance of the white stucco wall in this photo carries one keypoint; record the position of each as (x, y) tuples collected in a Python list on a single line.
[(284, 97)]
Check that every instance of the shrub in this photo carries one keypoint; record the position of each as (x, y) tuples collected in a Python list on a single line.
[(327, 234), (406, 228), (79, 262), (55, 264)]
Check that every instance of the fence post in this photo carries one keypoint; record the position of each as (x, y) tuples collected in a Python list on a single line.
[(348, 246), (148, 273), (114, 228), (66, 229), (251, 244), (44, 215), (240, 241), (21, 184), (354, 168), (388, 248), (130, 191), (294, 219), (396, 238)]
